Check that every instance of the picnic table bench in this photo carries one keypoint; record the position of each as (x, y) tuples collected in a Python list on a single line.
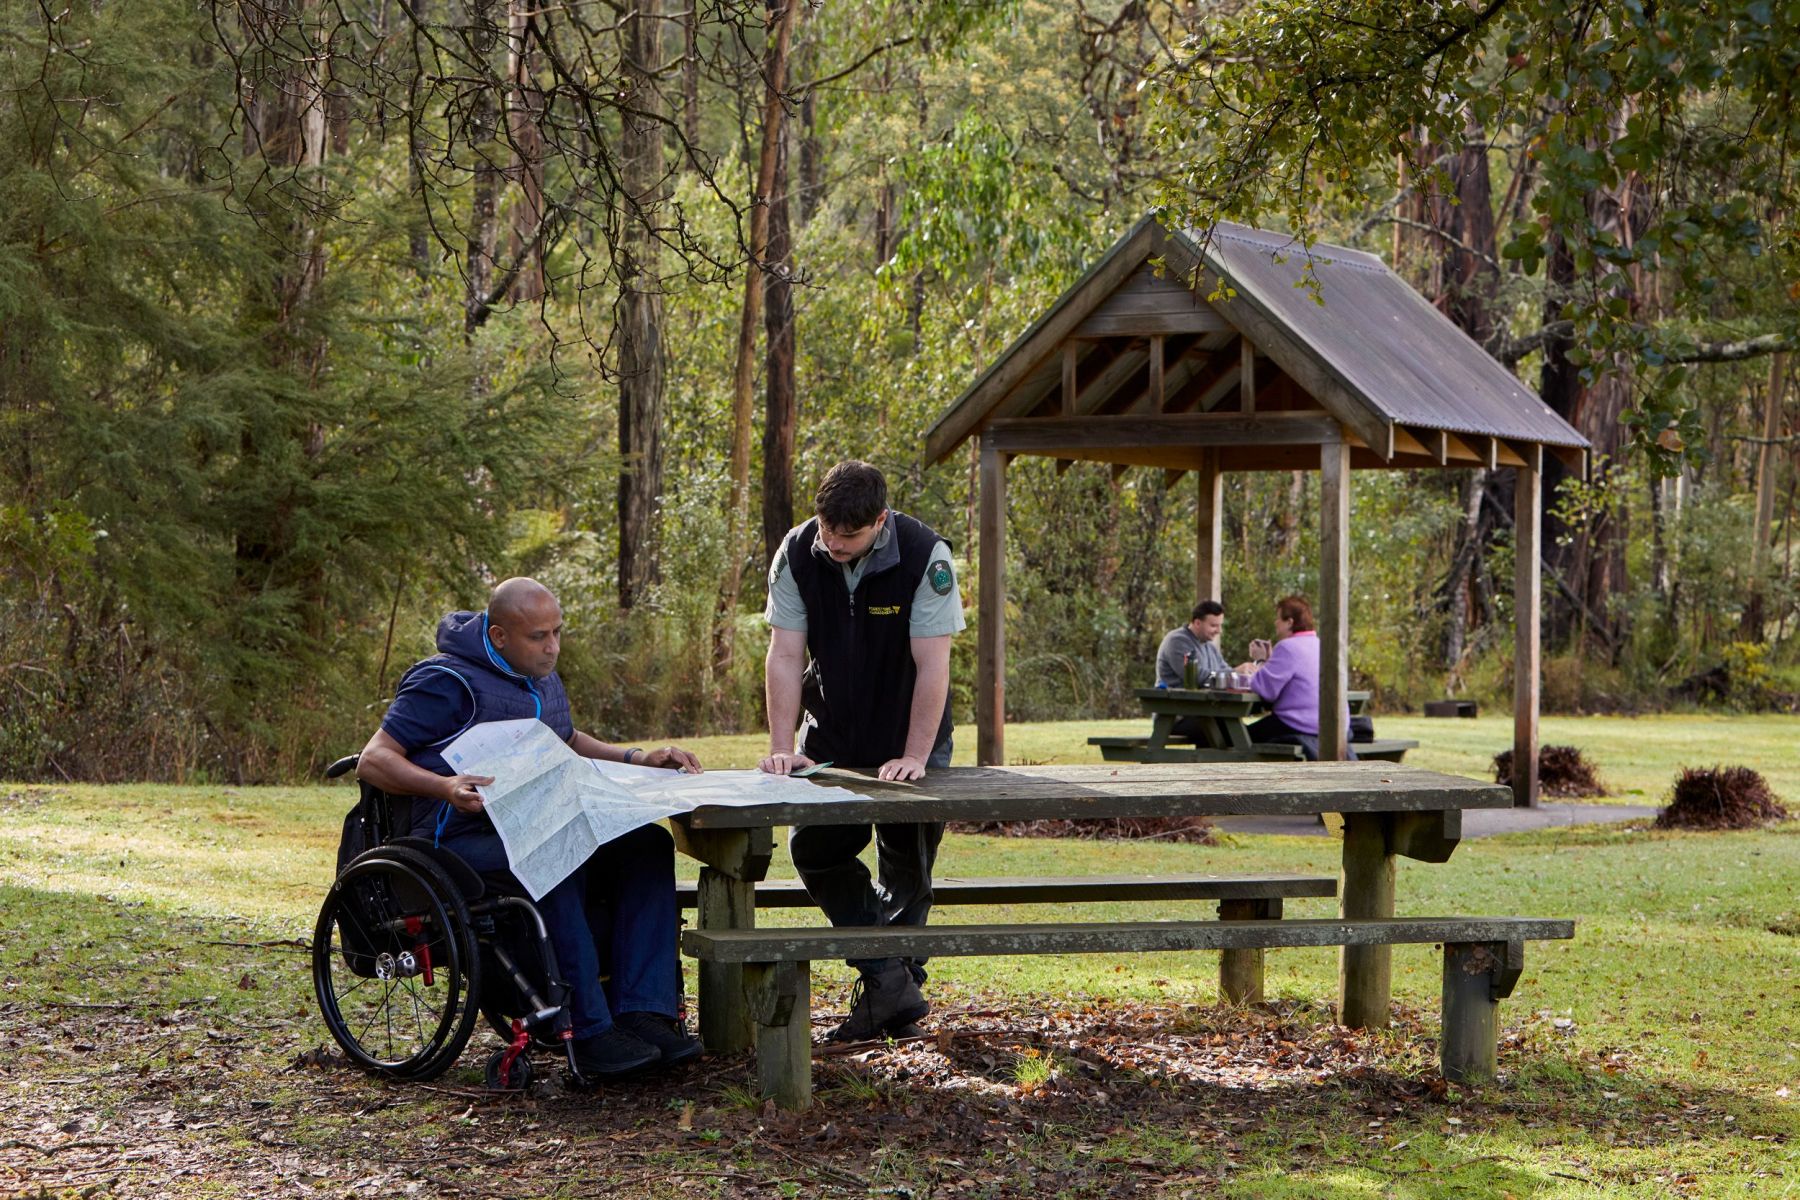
[(755, 983), (1223, 733)]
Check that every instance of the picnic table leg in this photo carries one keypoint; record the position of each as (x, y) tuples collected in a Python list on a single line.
[(1477, 976), (780, 999), (1241, 971), (1160, 729), (1365, 973), (733, 861), (1233, 734)]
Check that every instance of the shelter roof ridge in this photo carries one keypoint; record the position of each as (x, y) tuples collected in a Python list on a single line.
[(1337, 256), (1377, 355)]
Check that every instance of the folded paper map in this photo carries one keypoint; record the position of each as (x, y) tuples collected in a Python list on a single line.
[(554, 808)]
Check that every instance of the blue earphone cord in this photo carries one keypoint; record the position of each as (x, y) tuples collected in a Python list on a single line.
[(536, 700)]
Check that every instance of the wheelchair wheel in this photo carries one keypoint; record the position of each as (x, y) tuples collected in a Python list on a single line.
[(394, 965), (518, 1076)]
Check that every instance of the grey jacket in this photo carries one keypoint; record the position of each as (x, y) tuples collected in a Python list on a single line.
[(1181, 642)]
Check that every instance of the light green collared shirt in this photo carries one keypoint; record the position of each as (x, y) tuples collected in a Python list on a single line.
[(933, 614)]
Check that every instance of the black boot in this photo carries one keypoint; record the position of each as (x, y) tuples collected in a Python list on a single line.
[(664, 1033), (884, 998), (614, 1054)]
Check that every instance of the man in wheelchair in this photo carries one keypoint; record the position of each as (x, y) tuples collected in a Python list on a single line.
[(500, 665)]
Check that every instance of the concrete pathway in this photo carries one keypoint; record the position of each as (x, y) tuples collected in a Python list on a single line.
[(1477, 822)]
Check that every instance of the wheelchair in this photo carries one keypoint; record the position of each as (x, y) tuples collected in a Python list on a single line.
[(412, 945)]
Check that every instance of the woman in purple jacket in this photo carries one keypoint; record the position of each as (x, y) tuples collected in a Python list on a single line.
[(1288, 679)]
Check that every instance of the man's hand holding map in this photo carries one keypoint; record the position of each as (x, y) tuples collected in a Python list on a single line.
[(553, 808)]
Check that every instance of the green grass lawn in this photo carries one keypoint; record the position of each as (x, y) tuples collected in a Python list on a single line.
[(144, 971)]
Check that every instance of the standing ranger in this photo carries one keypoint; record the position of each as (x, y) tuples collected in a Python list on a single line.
[(869, 596)]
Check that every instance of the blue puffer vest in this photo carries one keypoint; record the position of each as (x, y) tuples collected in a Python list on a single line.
[(496, 693)]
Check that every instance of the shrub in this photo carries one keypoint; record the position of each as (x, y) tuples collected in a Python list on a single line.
[(1720, 798), (1563, 771)]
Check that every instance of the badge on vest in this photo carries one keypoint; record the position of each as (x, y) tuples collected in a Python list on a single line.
[(941, 577), (884, 610)]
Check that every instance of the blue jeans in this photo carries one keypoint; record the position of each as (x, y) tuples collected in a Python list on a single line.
[(621, 902), (1274, 730), (825, 857)]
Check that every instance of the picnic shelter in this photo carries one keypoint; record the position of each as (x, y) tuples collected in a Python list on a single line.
[(1207, 354)]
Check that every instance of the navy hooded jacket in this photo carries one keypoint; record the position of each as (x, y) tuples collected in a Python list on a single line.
[(466, 683)]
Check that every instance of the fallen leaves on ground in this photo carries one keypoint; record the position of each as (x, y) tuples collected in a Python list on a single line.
[(1003, 1096)]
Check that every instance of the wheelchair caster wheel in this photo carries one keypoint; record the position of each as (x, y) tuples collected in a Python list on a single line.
[(518, 1076)]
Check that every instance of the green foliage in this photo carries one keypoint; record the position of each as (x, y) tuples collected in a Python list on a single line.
[(232, 508), (1752, 682), (211, 539), (1658, 140)]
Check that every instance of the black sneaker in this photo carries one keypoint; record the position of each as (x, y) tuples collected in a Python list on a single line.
[(614, 1054), (882, 999), (664, 1033)]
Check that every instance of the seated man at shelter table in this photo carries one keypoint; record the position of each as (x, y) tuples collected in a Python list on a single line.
[(1286, 674), (500, 665), (1198, 641)]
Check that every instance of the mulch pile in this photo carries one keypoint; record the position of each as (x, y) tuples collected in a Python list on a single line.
[(1563, 772), (1195, 831), (1720, 798)]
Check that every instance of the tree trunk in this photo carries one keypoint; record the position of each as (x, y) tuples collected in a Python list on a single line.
[(288, 126), (809, 158), (690, 76), (641, 358), (1461, 281), (524, 107), (781, 32), (485, 194), (1464, 275), (778, 326), (1754, 618), (1464, 563)]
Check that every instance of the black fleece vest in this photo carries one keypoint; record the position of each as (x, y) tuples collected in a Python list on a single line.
[(858, 688)]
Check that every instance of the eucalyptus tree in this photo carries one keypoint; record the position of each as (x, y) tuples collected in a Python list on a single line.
[(1647, 157)]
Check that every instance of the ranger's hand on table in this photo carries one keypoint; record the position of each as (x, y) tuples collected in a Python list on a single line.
[(901, 769), (784, 762)]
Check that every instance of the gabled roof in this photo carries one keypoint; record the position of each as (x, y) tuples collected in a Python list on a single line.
[(1374, 353)]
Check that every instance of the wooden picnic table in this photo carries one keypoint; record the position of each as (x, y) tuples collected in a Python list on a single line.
[(1389, 810), (1221, 731)]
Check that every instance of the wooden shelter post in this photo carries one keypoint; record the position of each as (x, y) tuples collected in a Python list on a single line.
[(990, 670), (1528, 593), (1209, 580), (1334, 600)]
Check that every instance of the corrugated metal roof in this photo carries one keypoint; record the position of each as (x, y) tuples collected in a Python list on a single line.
[(1402, 357)]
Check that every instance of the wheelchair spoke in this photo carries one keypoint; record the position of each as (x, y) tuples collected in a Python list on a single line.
[(418, 1025), (418, 1002), (344, 995), (375, 1014)]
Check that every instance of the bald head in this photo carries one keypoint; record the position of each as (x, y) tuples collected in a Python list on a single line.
[(525, 626)]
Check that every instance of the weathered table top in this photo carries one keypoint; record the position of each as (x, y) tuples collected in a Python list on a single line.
[(1120, 790), (1196, 701)]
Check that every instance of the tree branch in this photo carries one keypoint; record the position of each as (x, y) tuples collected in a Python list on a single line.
[(1756, 347)]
